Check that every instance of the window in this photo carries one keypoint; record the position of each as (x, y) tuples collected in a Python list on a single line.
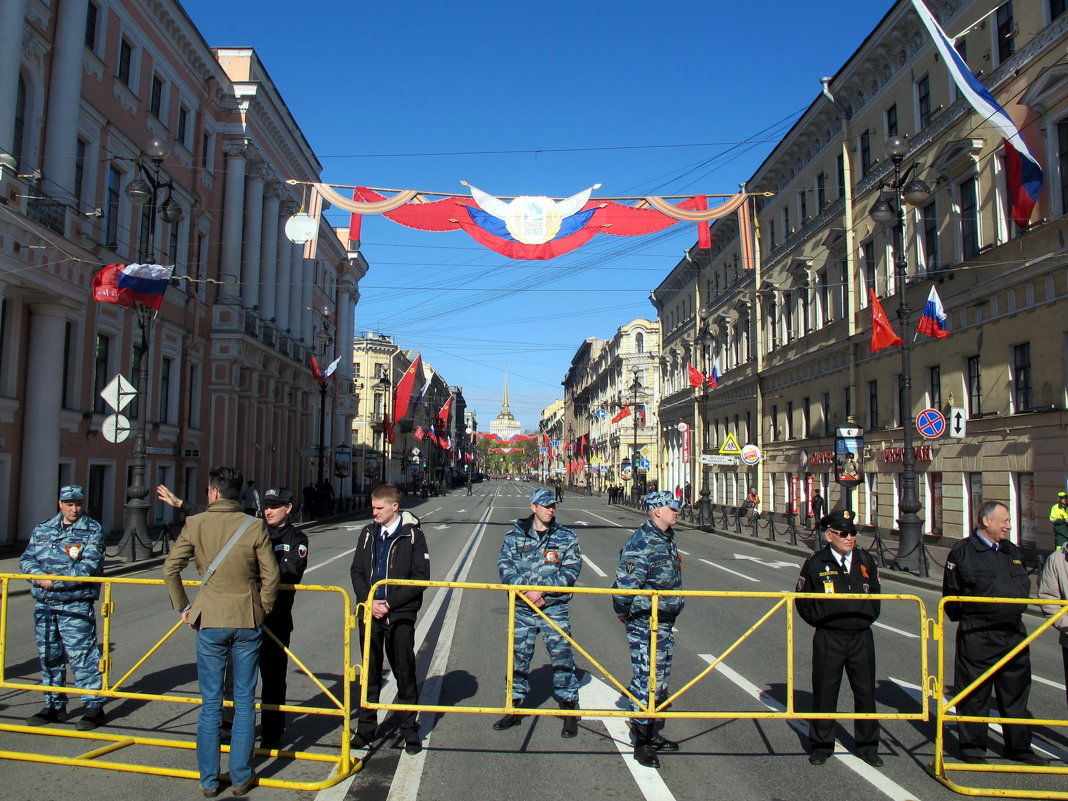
[(1021, 377), (92, 13), (930, 255), (79, 169), (771, 233), (182, 128), (969, 218), (790, 420), (67, 371), (774, 423), (868, 250), (873, 405), (802, 199), (172, 242), (111, 209), (166, 366), (821, 191), (639, 342), (786, 220), (826, 314), (155, 100), (865, 153), (123, 69), (194, 396), (975, 387), (145, 232), (1056, 8), (1062, 160), (934, 386), (923, 103), (847, 403), (891, 120), (1005, 30), (205, 149), (840, 174), (805, 420), (20, 120), (825, 405), (101, 362)]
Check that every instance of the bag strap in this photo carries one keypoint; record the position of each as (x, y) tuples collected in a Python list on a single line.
[(230, 543)]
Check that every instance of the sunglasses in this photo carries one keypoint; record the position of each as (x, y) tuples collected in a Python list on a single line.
[(842, 534)]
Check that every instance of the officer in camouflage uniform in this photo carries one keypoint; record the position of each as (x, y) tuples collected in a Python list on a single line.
[(70, 544), (539, 551), (650, 561)]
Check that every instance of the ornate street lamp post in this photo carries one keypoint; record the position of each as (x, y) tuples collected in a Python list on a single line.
[(635, 387), (887, 213), (145, 189)]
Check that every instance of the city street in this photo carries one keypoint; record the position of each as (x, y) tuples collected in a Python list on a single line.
[(461, 640)]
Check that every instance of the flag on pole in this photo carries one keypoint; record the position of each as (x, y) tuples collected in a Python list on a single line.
[(330, 368), (641, 415), (697, 378), (934, 322), (403, 396), (387, 426), (130, 284), (882, 335), (713, 379), (443, 415), (419, 433), (1023, 172), (105, 287), (624, 412)]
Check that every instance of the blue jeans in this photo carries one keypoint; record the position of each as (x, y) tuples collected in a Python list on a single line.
[(213, 648)]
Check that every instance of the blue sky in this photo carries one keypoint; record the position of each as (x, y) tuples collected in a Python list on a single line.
[(533, 99)]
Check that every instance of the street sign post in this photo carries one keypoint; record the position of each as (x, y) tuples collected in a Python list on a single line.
[(721, 459), (116, 427), (930, 423), (118, 394), (957, 424)]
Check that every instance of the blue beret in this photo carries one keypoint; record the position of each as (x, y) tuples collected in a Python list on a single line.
[(655, 500), (543, 497)]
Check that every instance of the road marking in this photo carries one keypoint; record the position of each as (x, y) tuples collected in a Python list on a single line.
[(878, 780), (331, 559), (728, 570), (594, 567), (580, 523), (443, 525), (1049, 683), (774, 564), (684, 553), (615, 523), (903, 633)]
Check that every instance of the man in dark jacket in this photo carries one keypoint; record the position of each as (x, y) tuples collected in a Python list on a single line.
[(988, 564), (842, 640), (392, 547), (291, 550)]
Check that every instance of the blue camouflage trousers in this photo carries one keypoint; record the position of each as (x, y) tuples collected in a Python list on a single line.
[(638, 640), (527, 625), (67, 633)]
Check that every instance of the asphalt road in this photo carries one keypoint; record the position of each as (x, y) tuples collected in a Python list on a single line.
[(462, 652)]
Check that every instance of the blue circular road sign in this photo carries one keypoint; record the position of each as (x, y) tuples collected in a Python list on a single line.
[(930, 423)]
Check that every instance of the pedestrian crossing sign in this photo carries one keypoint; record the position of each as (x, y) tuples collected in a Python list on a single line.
[(730, 446)]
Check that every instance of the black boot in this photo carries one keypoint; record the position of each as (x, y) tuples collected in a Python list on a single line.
[(570, 728), (644, 752), (661, 743)]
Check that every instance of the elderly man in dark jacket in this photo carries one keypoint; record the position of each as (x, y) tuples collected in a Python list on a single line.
[(392, 547)]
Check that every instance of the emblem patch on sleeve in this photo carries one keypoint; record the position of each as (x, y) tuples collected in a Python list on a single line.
[(302, 551), (552, 556), (75, 550), (800, 584), (630, 567)]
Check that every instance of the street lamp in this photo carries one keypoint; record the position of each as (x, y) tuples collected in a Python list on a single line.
[(892, 213), (384, 385), (145, 189), (635, 387)]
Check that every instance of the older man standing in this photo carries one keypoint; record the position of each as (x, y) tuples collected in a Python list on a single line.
[(650, 561), (239, 583), (987, 564)]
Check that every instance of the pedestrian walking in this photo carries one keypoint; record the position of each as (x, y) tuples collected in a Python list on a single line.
[(1054, 587), (250, 499), (538, 550), (64, 618), (842, 640), (818, 506), (1058, 515)]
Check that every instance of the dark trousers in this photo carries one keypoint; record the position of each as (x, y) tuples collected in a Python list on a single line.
[(396, 640), (977, 650), (274, 665), (833, 652)]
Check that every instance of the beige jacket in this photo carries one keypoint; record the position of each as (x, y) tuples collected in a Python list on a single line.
[(243, 589)]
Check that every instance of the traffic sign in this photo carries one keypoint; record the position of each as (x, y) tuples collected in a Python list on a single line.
[(116, 427), (119, 393), (930, 423), (600, 414), (643, 464), (957, 422), (717, 458), (730, 446)]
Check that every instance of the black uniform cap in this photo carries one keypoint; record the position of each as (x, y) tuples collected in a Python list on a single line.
[(277, 497), (839, 520)]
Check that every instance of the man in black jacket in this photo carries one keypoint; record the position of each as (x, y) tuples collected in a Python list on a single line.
[(842, 639), (392, 547), (988, 564)]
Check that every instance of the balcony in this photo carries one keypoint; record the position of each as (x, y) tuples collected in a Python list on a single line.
[(52, 214)]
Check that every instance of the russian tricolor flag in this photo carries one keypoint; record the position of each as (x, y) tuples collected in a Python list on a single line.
[(1023, 173), (713, 378), (144, 283), (934, 321)]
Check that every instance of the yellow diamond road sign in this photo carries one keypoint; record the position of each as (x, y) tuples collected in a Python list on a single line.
[(730, 446)]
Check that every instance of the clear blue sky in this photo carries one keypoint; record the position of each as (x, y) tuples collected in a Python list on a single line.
[(664, 98)]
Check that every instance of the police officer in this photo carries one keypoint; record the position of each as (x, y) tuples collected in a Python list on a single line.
[(650, 561), (842, 640), (69, 544), (988, 564), (538, 550), (291, 550), (1058, 515)]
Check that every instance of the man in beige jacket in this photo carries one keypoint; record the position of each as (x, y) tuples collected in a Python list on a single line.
[(227, 614)]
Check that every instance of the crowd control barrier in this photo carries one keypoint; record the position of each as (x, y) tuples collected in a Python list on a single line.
[(338, 707)]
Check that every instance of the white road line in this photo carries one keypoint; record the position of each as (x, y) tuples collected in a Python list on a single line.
[(594, 567), (1049, 683), (605, 519), (684, 553), (331, 559), (879, 781), (902, 632), (728, 570)]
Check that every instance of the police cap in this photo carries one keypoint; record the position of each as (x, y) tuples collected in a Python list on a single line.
[(71, 492), (542, 497), (655, 500), (839, 520), (277, 497)]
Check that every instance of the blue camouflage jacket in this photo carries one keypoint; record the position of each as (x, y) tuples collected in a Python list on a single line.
[(649, 561), (76, 550), (550, 558)]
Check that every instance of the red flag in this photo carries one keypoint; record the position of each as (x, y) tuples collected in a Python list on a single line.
[(387, 426), (624, 412), (317, 373), (105, 287), (443, 415), (582, 447), (704, 237), (641, 415), (419, 433), (697, 378), (882, 335), (355, 220), (403, 396)]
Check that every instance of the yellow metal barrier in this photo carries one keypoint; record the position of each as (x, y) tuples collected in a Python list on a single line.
[(648, 707), (940, 768), (340, 707)]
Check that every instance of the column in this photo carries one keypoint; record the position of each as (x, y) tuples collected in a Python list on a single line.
[(307, 317), (285, 267), (250, 263), (41, 407), (269, 254), (12, 23), (64, 100), (344, 333), (296, 288), (233, 216)]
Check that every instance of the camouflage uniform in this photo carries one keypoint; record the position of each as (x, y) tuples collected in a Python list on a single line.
[(650, 561), (64, 619), (549, 558)]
